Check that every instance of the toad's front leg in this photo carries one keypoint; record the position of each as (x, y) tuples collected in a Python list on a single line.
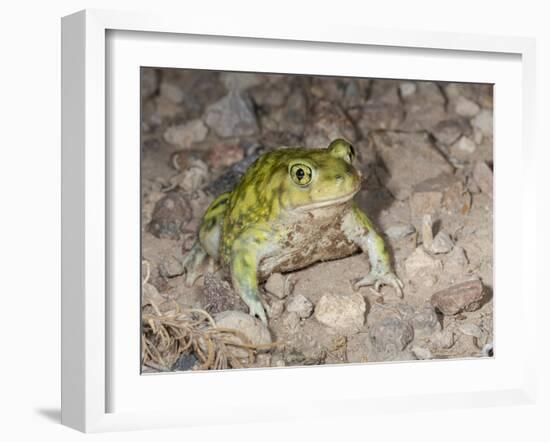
[(359, 229), (246, 252)]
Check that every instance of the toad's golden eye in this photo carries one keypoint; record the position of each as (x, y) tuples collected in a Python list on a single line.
[(301, 174)]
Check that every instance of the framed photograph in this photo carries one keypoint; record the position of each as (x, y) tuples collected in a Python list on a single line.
[(260, 225)]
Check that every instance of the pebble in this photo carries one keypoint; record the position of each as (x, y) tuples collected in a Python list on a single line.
[(423, 319), (427, 232), (170, 267), (448, 131), (194, 177), (444, 339), (419, 262), (148, 82), (470, 329), (224, 155), (150, 295), (344, 313), (407, 88), (464, 146), (465, 296), (326, 123), (380, 116), (300, 305), (484, 122), (171, 92), (483, 176), (465, 107), (278, 286), (399, 231), (187, 361), (358, 348), (232, 116), (218, 296), (456, 260), (240, 80), (442, 243), (291, 320), (256, 332), (184, 135), (170, 215), (276, 309), (422, 353), (424, 108), (444, 192), (390, 336)]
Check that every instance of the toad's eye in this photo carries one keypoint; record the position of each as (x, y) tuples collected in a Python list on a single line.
[(301, 174)]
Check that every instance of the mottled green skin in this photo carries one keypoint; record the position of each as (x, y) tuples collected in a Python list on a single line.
[(272, 222)]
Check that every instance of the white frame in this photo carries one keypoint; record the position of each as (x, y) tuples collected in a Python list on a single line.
[(84, 312)]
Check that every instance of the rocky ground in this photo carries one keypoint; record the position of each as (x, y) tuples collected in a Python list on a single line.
[(426, 152)]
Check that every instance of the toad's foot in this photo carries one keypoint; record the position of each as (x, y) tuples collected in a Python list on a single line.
[(256, 309), (378, 279), (192, 264)]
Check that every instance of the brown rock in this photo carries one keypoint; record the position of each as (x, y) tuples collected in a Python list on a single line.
[(465, 296), (170, 215), (483, 176), (444, 192)]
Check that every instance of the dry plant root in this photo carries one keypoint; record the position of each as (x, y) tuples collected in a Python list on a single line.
[(168, 335)]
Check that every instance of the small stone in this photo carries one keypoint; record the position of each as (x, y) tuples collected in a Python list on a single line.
[(149, 82), (463, 147), (171, 92), (276, 309), (187, 361), (470, 330), (390, 336), (301, 305), (444, 339), (427, 231), (232, 116), (442, 243), (448, 131), (150, 295), (240, 80), (328, 121), (465, 296), (170, 216), (218, 296), (345, 313), (407, 88), (466, 108), (419, 263), (399, 231), (484, 122), (291, 321), (184, 135), (483, 176), (253, 329), (423, 319), (425, 108), (193, 177), (224, 155), (456, 260), (380, 116), (422, 353), (170, 267), (278, 285), (444, 192)]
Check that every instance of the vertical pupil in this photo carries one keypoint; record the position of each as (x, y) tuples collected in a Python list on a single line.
[(300, 174)]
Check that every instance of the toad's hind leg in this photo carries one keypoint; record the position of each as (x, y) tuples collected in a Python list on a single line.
[(208, 243)]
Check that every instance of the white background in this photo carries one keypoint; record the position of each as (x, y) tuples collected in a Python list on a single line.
[(30, 221)]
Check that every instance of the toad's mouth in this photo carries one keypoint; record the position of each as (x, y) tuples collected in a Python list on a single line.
[(330, 202)]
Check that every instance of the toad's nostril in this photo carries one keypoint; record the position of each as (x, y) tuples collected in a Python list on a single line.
[(339, 177)]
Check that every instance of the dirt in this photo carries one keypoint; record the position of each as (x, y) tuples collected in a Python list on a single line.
[(421, 147)]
